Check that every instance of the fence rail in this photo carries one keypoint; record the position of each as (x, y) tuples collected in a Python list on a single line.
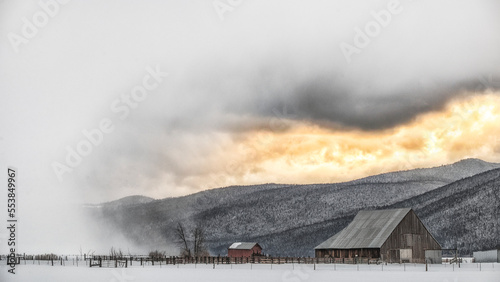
[(126, 260), (257, 262)]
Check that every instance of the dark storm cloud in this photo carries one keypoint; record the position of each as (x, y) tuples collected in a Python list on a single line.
[(331, 104), (330, 101)]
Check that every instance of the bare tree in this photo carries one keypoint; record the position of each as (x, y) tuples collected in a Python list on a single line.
[(115, 254), (199, 241), (181, 235), (156, 254), (197, 234)]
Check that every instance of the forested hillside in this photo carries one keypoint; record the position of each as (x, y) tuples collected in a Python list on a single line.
[(464, 214), (293, 219)]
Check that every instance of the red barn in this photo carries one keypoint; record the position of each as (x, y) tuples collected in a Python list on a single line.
[(244, 249)]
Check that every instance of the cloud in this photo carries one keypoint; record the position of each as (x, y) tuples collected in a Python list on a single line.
[(241, 77), (325, 102)]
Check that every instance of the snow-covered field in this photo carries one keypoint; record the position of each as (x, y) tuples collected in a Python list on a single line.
[(261, 273)]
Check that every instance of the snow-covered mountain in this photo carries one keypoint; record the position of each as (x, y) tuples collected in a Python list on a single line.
[(292, 219)]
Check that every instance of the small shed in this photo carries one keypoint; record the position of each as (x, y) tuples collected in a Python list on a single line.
[(395, 235), (487, 256), (244, 249)]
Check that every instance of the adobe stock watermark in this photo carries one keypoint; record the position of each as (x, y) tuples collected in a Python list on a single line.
[(363, 37), (121, 107), (30, 28), (488, 81), (121, 277), (224, 6), (298, 274)]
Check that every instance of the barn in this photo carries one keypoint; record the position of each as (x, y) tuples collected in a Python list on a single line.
[(244, 249), (395, 235)]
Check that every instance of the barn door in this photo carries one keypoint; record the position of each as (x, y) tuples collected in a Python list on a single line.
[(405, 255)]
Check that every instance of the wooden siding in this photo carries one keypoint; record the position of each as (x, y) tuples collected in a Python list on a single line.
[(348, 253), (410, 234), (238, 253)]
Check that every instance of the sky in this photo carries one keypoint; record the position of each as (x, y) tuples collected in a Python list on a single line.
[(106, 99)]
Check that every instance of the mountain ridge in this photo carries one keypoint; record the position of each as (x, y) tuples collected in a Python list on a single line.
[(467, 171), (287, 219)]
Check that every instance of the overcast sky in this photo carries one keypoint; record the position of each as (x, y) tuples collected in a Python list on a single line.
[(192, 95)]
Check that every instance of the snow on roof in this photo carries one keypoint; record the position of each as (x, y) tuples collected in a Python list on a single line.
[(242, 245), (369, 229)]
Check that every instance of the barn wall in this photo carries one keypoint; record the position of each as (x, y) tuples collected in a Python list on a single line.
[(412, 236), (257, 250), (244, 253), (348, 253), (239, 253), (487, 256)]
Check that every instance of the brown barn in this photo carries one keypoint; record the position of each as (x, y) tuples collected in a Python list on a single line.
[(395, 235), (243, 249)]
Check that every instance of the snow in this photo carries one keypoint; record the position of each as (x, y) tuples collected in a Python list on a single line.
[(256, 272), (235, 245)]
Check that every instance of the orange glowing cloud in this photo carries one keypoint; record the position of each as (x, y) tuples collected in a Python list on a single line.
[(308, 153)]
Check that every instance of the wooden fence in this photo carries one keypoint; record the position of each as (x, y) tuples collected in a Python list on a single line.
[(129, 260)]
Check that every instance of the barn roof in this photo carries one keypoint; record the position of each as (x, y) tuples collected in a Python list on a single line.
[(369, 229), (242, 246)]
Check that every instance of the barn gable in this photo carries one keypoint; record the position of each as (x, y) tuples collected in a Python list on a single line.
[(412, 236)]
